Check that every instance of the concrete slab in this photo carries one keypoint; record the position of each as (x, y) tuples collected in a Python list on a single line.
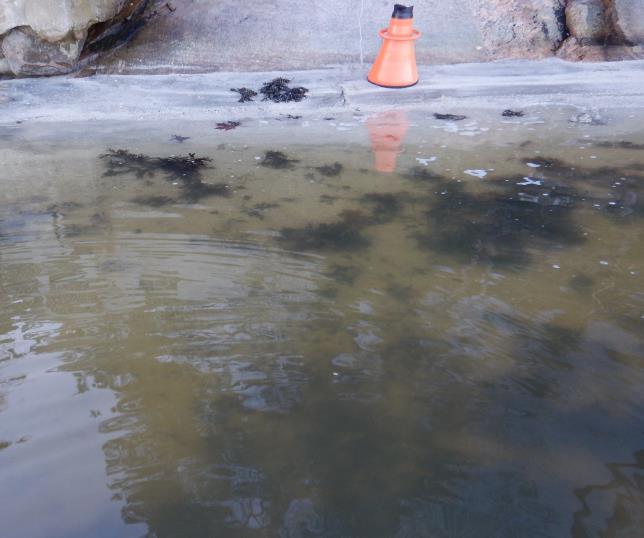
[(208, 96)]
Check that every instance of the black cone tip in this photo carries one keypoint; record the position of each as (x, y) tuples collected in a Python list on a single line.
[(403, 12)]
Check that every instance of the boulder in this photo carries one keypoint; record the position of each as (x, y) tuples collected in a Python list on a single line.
[(54, 21), (521, 28), (586, 20), (28, 55), (41, 37), (628, 18)]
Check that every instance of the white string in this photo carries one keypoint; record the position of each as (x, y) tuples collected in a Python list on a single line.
[(360, 24)]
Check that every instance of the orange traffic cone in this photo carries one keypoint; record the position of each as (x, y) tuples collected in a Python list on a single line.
[(395, 66), (387, 131)]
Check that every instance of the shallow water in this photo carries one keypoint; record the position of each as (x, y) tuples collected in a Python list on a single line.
[(284, 341)]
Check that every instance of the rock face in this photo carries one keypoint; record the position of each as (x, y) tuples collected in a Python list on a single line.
[(46, 37), (628, 18), (587, 20), (41, 37), (521, 28)]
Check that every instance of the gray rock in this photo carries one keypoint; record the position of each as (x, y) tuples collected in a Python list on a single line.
[(628, 17), (27, 55), (54, 21), (521, 28), (586, 19), (40, 37)]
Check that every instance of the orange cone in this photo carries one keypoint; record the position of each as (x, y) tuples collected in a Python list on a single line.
[(387, 131), (395, 66)]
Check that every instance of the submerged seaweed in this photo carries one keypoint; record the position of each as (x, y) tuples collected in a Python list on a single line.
[(186, 169), (507, 113), (278, 91), (329, 170), (258, 210), (344, 234), (423, 174), (153, 201), (622, 144), (343, 274), (384, 206), (500, 226), (277, 160)]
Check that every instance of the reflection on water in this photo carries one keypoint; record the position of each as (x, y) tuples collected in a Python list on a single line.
[(324, 351)]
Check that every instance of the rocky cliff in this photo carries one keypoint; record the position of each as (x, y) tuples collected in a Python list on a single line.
[(40, 37)]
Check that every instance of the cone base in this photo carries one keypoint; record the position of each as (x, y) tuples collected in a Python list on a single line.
[(393, 87)]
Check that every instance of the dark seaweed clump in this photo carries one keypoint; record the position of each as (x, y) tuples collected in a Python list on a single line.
[(344, 234), (581, 283), (227, 125), (277, 160), (329, 170), (245, 94), (622, 144), (278, 91), (258, 210), (186, 169), (507, 113), (449, 117), (622, 186), (343, 274), (384, 206), (501, 225), (423, 174), (153, 201)]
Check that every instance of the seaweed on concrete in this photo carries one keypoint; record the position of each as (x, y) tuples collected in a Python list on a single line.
[(228, 125), (245, 94), (278, 91), (449, 117)]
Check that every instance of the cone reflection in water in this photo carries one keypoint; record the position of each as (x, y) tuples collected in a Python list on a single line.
[(395, 66), (387, 131)]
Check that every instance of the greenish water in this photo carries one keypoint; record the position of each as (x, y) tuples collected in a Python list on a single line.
[(269, 337)]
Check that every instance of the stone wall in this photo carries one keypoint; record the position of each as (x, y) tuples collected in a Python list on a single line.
[(43, 37)]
